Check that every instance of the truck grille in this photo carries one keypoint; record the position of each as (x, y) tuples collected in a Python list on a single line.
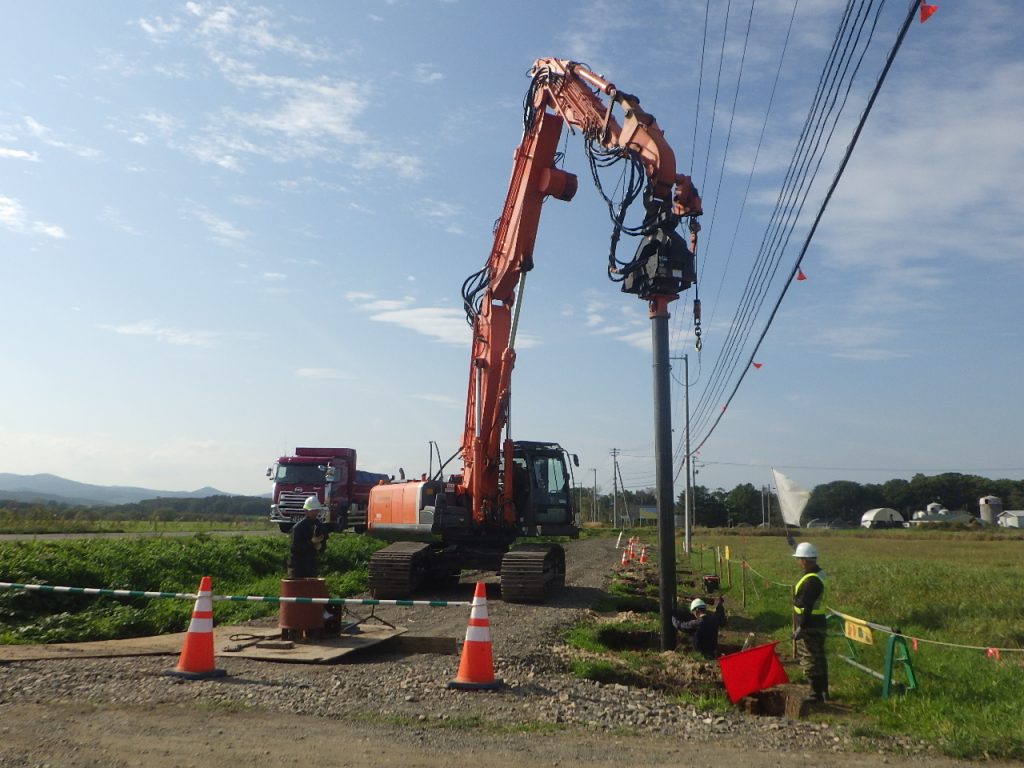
[(291, 503)]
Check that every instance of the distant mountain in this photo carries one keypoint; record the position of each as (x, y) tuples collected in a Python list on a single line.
[(43, 488)]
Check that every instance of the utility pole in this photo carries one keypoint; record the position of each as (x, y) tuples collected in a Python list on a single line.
[(688, 493), (593, 511), (658, 312), (615, 487)]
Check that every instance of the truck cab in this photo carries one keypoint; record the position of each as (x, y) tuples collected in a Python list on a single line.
[(329, 474)]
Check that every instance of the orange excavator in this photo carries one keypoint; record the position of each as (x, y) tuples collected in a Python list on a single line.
[(509, 490)]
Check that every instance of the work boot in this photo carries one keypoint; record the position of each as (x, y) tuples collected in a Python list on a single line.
[(819, 690)]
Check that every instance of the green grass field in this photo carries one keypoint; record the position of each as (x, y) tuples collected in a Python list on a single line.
[(963, 590), (238, 565)]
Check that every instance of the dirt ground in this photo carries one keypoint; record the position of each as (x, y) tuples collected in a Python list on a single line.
[(174, 736)]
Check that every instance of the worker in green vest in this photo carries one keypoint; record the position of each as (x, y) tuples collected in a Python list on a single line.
[(809, 621)]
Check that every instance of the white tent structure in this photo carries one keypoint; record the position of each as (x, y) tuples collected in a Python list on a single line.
[(882, 517), (792, 498)]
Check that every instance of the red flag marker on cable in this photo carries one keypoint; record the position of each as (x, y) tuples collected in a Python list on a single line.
[(927, 11), (800, 274), (758, 365)]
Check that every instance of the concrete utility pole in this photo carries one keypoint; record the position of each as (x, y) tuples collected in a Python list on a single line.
[(688, 511), (658, 311), (615, 487), (593, 512)]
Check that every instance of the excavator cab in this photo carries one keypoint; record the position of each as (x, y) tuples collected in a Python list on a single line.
[(542, 490)]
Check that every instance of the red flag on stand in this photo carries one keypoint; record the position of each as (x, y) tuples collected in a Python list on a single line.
[(750, 671), (927, 11)]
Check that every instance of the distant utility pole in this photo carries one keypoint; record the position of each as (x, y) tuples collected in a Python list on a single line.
[(615, 487), (593, 512)]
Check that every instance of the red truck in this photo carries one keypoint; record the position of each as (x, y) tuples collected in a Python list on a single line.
[(330, 474)]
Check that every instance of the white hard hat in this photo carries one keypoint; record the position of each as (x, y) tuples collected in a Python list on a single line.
[(806, 549), (312, 503), (697, 603)]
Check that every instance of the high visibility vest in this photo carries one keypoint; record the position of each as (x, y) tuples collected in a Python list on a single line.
[(819, 607)]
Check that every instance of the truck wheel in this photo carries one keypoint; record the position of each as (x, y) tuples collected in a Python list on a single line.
[(285, 527)]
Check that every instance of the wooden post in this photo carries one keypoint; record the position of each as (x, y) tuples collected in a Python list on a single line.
[(743, 582), (728, 570)]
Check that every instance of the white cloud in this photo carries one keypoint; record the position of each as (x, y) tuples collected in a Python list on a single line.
[(18, 154), (158, 29), (14, 217), (425, 73), (304, 117), (861, 342), (45, 135), (164, 334), (12, 214), (443, 324), (440, 213), (50, 230), (221, 230)]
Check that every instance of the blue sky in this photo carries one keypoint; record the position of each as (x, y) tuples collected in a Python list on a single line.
[(227, 229)]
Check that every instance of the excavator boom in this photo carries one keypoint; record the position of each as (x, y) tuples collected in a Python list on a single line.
[(511, 489)]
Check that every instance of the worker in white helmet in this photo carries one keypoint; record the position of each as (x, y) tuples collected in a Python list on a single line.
[(809, 614), (308, 538), (702, 626)]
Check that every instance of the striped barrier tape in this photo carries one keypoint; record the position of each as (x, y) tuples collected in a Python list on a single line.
[(235, 598)]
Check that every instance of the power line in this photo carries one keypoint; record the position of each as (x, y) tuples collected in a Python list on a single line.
[(828, 197)]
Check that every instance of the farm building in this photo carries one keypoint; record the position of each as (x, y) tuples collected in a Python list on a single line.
[(882, 517), (936, 513), (1011, 518)]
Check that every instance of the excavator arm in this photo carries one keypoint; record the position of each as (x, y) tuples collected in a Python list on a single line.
[(561, 93)]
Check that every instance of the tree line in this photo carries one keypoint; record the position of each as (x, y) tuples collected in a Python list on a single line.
[(838, 501), (204, 508)]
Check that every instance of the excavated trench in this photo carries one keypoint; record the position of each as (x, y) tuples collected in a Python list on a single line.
[(634, 650)]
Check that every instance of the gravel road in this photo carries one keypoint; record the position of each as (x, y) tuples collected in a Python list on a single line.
[(379, 708)]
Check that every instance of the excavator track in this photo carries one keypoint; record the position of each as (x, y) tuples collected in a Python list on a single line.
[(530, 572), (396, 570)]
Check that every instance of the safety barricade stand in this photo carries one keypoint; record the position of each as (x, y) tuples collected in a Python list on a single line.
[(897, 654)]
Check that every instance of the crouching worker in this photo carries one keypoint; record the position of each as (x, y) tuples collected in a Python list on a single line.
[(703, 627), (308, 537)]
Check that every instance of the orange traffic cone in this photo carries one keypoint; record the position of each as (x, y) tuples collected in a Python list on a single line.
[(625, 558), (196, 660), (643, 554), (476, 667)]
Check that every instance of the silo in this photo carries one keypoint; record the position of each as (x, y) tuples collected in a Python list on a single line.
[(990, 508)]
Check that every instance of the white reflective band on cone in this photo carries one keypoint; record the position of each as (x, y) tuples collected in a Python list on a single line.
[(478, 635), (200, 625)]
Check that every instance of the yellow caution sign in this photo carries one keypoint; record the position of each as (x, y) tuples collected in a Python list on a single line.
[(727, 552), (858, 632)]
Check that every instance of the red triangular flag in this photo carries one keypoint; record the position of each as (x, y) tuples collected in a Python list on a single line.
[(750, 671), (800, 274), (927, 11), (758, 365)]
